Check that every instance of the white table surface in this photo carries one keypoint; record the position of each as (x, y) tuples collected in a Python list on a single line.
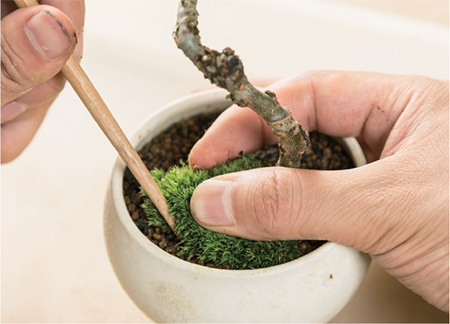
[(54, 262)]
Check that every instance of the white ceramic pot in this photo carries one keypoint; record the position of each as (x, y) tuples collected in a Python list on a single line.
[(313, 288)]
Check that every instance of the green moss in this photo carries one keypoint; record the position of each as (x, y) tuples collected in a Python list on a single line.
[(178, 185)]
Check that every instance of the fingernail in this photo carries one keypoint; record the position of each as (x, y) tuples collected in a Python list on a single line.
[(12, 110), (48, 35), (211, 203)]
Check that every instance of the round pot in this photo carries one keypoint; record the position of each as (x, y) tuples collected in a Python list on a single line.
[(313, 288)]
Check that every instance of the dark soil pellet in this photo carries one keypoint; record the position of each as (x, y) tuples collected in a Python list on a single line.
[(174, 144)]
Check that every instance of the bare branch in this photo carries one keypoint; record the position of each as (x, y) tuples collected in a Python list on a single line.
[(225, 69)]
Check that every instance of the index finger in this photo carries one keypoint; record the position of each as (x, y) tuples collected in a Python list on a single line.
[(360, 104), (75, 10)]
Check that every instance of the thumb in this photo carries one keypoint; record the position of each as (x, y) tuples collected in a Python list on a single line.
[(281, 203), (36, 42)]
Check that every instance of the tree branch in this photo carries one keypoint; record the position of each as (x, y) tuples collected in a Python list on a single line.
[(225, 69)]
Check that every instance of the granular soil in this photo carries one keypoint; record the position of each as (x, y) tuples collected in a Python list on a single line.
[(174, 144)]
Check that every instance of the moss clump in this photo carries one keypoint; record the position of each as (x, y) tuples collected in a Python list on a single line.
[(178, 185)]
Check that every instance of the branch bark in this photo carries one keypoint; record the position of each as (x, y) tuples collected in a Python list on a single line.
[(225, 69)]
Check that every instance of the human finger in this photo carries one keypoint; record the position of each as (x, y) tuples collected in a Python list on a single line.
[(284, 203), (17, 133), (75, 10), (36, 42), (364, 105)]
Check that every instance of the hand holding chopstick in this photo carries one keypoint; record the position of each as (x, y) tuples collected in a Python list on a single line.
[(98, 109)]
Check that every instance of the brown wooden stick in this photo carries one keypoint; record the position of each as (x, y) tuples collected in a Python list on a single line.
[(98, 109)]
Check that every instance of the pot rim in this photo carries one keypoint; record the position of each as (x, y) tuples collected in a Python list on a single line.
[(207, 96)]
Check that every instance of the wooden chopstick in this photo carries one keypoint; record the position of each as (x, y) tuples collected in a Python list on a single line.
[(98, 109)]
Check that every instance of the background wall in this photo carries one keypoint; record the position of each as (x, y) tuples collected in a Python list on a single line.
[(433, 11)]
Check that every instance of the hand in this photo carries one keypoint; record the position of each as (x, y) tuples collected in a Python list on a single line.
[(36, 42), (395, 208)]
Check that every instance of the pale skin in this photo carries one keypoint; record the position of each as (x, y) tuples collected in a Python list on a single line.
[(36, 42), (396, 208)]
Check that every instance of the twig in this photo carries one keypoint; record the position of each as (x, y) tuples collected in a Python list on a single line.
[(225, 69)]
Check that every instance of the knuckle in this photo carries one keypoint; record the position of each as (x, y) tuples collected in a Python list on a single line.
[(274, 202), (16, 73)]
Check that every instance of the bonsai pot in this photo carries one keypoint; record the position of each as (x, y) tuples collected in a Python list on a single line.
[(312, 288)]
